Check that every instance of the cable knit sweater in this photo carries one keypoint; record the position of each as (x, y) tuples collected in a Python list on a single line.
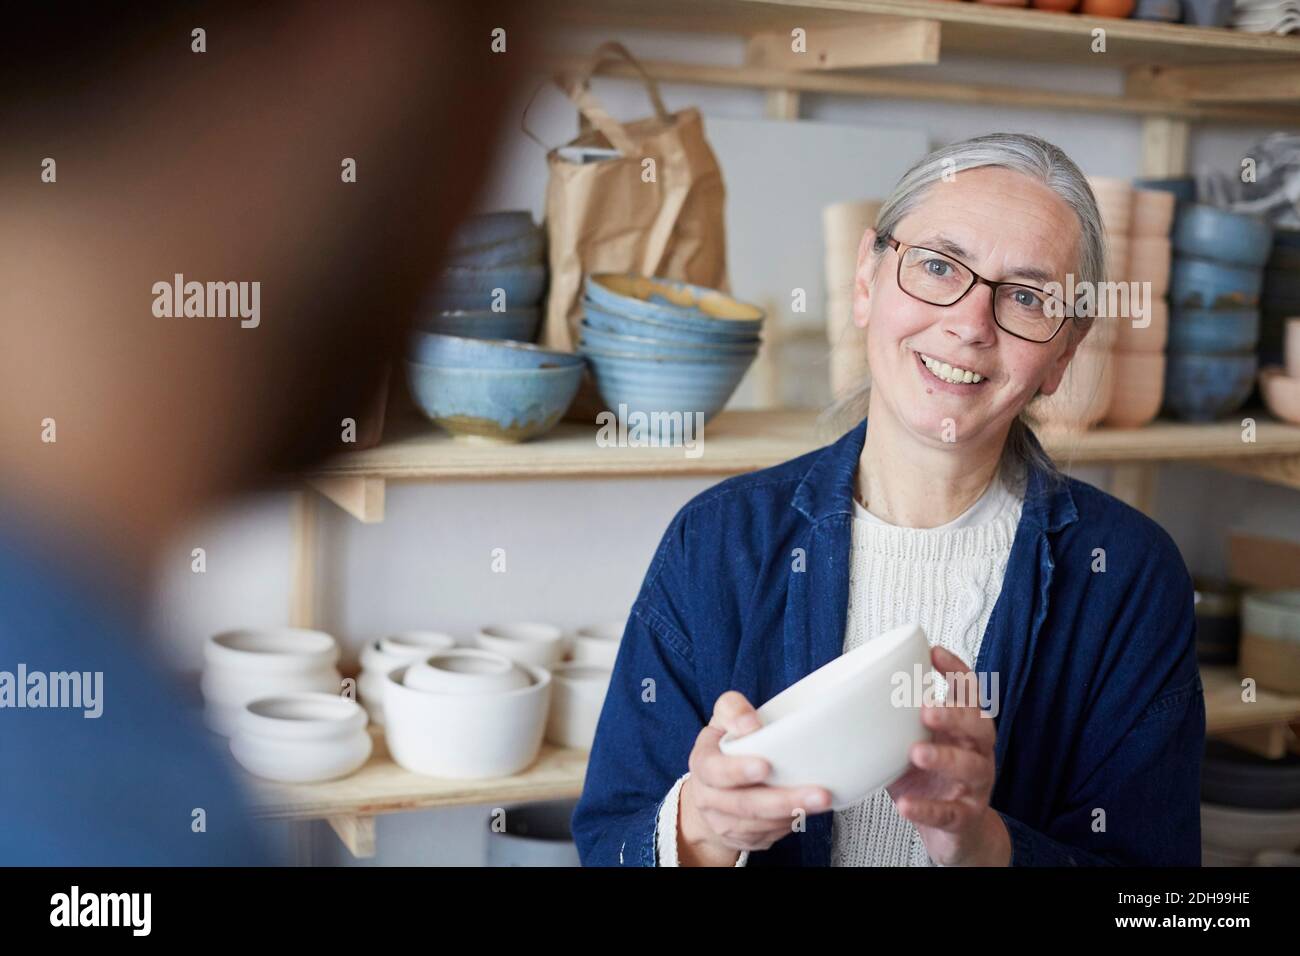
[(947, 578)]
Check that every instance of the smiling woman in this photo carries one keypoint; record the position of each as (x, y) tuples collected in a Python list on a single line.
[(944, 512)]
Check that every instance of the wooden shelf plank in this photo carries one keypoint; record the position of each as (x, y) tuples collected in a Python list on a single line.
[(969, 28), (1226, 712), (741, 441), (381, 786)]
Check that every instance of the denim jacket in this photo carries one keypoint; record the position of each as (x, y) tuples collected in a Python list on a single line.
[(1100, 710)]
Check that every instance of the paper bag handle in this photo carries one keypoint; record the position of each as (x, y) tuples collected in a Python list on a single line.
[(578, 89)]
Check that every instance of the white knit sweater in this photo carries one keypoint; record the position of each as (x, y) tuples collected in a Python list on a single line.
[(947, 578)]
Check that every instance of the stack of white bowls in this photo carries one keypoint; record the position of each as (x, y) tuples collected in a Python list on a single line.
[(598, 644), (245, 665), (301, 738), (466, 714), (380, 658), (576, 701)]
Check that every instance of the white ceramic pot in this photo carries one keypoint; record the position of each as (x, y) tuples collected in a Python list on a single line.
[(541, 645), (466, 736), (301, 738), (466, 670), (379, 658), (841, 727), (598, 644), (576, 702), (243, 665)]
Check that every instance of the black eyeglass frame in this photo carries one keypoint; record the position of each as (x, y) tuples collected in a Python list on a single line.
[(977, 279)]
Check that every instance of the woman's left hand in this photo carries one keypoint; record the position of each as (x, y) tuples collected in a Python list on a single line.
[(945, 793)]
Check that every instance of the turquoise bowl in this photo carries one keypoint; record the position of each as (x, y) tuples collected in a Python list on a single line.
[(467, 287), (608, 341), (520, 325), (496, 405), (673, 305), (1201, 388), (1210, 331), (1204, 284), (639, 327), (453, 351), (1208, 232)]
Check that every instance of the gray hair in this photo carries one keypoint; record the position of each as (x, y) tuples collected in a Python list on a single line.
[(1040, 161)]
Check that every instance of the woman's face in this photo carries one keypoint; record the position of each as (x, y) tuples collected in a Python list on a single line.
[(1006, 227)]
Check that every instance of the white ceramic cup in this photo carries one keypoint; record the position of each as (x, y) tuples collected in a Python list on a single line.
[(243, 665), (465, 671), (599, 643), (301, 738), (576, 701), (413, 645)]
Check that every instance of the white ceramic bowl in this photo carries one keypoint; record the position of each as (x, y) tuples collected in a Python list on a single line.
[(541, 645), (839, 728), (301, 738), (599, 643), (465, 670), (576, 702), (466, 736), (243, 665), (413, 645)]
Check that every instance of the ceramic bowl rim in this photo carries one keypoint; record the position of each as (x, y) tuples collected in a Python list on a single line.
[(317, 647), (540, 680), (252, 722)]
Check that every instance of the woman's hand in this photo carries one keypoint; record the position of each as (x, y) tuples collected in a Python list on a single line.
[(945, 793), (723, 806)]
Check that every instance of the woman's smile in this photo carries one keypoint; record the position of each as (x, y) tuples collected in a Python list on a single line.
[(942, 376)]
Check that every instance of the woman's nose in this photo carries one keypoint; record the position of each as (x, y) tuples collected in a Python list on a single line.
[(971, 320)]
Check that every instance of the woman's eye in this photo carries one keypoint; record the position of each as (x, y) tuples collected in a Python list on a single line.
[(1027, 299), (938, 268)]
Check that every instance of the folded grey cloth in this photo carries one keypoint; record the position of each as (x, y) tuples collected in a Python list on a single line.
[(1275, 192)]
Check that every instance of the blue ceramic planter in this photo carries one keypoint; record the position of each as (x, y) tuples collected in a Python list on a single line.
[(464, 287), (497, 405), (1202, 284), (1210, 331), (450, 351), (1207, 232), (1201, 388), (517, 324)]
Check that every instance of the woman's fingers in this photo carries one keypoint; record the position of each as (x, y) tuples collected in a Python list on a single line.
[(973, 769), (773, 804), (734, 714)]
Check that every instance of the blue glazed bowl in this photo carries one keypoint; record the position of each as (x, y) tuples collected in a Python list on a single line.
[(1209, 331), (494, 405), (1184, 187), (489, 228), (1202, 284), (604, 340), (452, 351), (677, 386), (1211, 233), (517, 324), (465, 287), (606, 321), (1201, 388), (675, 304), (519, 250)]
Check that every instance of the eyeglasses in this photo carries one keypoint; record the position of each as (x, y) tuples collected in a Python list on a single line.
[(1020, 310)]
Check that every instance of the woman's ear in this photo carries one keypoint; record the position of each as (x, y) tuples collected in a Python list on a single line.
[(863, 277)]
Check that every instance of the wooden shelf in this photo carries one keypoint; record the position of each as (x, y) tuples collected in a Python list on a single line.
[(381, 786), (742, 441), (967, 28), (1228, 716)]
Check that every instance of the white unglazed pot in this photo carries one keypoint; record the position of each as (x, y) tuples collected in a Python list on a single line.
[(844, 727), (243, 665), (301, 738), (598, 644), (527, 642), (466, 736), (379, 658), (466, 670), (576, 702)]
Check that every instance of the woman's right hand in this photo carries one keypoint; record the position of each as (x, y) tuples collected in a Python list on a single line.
[(724, 807)]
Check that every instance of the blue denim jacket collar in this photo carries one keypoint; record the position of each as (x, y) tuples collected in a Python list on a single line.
[(817, 605)]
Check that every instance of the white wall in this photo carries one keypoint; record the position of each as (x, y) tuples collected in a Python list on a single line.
[(576, 550)]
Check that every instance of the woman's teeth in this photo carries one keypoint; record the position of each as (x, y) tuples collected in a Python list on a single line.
[(949, 373)]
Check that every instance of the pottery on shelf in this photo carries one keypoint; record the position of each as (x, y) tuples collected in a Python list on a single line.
[(526, 642), (1138, 389), (1213, 331), (1153, 213), (1108, 8), (598, 643), (1207, 232), (465, 670), (381, 657), (1144, 334), (1148, 261), (845, 726), (1201, 388), (577, 696), (466, 736), (1084, 394), (301, 738), (1205, 284), (411, 645), (243, 665)]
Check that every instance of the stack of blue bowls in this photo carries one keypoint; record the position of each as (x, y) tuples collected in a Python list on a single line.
[(660, 346), (493, 282), (497, 391), (1215, 284)]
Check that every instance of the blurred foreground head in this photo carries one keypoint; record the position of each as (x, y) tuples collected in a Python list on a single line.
[(222, 166)]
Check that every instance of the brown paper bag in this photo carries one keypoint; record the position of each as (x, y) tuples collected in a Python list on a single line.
[(605, 216)]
